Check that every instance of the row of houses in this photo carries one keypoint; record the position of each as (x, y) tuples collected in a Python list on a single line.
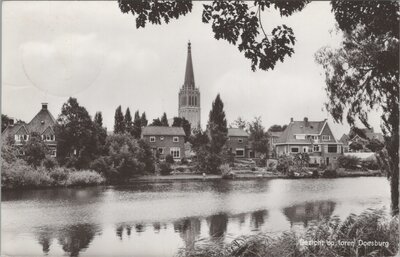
[(300, 136)]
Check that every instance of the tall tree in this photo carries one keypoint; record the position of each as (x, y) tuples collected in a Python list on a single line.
[(35, 150), (143, 119), (217, 126), (277, 128), (98, 119), (164, 120), (119, 124), (239, 123), (185, 124), (128, 122), (259, 137), (76, 135), (363, 73), (5, 121), (156, 122), (137, 126)]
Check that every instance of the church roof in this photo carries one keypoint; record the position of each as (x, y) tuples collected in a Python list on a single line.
[(189, 74)]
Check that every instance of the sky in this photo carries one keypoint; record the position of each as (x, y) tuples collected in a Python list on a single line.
[(92, 51)]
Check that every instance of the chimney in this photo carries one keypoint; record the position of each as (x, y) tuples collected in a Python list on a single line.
[(306, 121), (12, 121), (44, 106), (291, 119)]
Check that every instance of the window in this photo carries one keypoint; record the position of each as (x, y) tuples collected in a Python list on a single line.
[(240, 140), (317, 148), (175, 139), (240, 152), (152, 139), (305, 149), (53, 153), (294, 149), (332, 148), (314, 137), (160, 150), (162, 138), (326, 138), (175, 152), (300, 136)]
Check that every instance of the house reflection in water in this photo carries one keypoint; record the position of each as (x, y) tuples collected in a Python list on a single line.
[(309, 211)]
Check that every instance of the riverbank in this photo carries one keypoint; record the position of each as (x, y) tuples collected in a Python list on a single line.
[(246, 175)]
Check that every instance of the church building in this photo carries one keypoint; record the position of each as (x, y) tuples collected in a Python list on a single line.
[(189, 95)]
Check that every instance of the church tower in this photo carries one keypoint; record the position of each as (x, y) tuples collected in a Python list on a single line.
[(189, 95)]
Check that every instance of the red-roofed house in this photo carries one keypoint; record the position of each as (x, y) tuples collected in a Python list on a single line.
[(43, 124), (165, 140), (312, 137)]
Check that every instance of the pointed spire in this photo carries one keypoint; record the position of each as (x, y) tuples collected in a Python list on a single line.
[(189, 76)]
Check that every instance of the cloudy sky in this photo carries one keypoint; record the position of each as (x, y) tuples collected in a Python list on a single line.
[(91, 51)]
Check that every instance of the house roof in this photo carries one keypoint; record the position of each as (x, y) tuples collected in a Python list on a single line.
[(11, 130), (301, 127), (237, 132), (41, 121), (344, 139), (162, 131), (275, 133)]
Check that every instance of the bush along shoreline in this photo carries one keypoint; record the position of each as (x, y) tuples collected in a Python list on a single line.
[(372, 233), (19, 175)]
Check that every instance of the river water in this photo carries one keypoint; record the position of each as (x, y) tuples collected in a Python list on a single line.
[(157, 219)]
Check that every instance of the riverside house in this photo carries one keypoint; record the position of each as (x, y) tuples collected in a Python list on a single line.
[(43, 124), (165, 140), (312, 137), (238, 143)]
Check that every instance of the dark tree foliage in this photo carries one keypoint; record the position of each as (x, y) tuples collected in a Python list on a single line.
[(119, 124), (156, 122), (363, 74), (5, 121), (185, 124), (259, 137), (239, 123), (277, 128), (375, 145), (128, 122), (137, 126), (35, 150), (164, 120), (238, 22), (217, 126), (355, 131), (143, 119), (76, 135), (98, 119), (356, 146)]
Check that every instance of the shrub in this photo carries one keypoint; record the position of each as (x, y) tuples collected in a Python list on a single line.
[(348, 162), (169, 159), (184, 161), (261, 162), (315, 174), (84, 177), (49, 163), (253, 169), (284, 164), (59, 176), (370, 164), (165, 168), (329, 173)]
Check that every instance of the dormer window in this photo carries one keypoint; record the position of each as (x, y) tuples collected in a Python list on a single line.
[(175, 139), (326, 137), (152, 139), (240, 140)]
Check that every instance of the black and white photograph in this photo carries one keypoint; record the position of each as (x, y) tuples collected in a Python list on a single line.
[(184, 128)]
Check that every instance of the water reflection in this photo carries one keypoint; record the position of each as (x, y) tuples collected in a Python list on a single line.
[(258, 218), (73, 239), (217, 226), (189, 230), (309, 211)]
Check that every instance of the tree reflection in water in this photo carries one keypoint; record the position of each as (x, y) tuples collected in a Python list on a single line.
[(218, 224), (309, 211), (258, 218), (189, 230), (73, 239)]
